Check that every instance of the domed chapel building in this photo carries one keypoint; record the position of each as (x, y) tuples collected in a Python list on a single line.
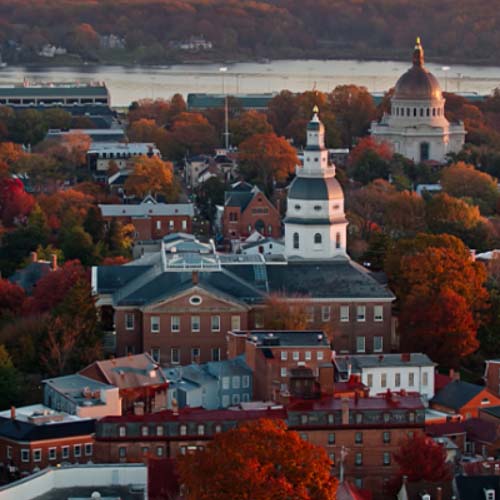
[(416, 126)]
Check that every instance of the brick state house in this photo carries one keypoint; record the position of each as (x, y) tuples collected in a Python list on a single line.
[(178, 303)]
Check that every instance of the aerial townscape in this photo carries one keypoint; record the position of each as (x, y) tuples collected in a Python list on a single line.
[(249, 295)]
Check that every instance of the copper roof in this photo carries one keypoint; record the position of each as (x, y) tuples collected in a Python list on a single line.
[(417, 83)]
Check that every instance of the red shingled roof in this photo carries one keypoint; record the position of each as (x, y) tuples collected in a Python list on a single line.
[(200, 415)]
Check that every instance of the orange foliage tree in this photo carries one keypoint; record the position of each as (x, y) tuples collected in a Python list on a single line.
[(248, 124), (442, 296), (259, 459), (266, 158), (281, 313), (151, 176), (420, 458), (464, 181)]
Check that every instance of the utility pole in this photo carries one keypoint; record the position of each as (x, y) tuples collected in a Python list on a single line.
[(226, 123)]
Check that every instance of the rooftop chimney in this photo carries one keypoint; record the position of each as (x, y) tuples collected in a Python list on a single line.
[(439, 493), (12, 412), (139, 408), (34, 257), (195, 277), (53, 261)]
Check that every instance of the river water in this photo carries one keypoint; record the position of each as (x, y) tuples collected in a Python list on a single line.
[(127, 84)]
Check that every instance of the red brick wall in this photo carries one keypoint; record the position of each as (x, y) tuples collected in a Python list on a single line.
[(493, 377), (260, 208), (186, 339), (128, 339), (147, 229), (44, 447)]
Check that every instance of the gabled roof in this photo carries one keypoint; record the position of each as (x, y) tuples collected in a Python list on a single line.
[(112, 278), (29, 276), (457, 394), (238, 199), (147, 210), (127, 372), (360, 361)]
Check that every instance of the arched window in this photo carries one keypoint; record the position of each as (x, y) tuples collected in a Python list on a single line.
[(317, 239), (337, 240), (407, 111), (295, 240), (433, 111), (421, 111), (428, 112), (414, 111)]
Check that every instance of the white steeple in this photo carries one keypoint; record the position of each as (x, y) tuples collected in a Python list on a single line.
[(315, 223)]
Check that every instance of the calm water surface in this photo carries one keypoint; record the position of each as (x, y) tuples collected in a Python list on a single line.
[(129, 84)]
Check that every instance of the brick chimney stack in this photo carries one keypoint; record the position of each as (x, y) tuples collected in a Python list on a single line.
[(12, 412), (53, 262), (34, 257), (195, 278)]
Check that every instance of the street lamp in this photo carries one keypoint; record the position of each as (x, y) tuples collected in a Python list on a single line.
[(446, 69), (223, 70)]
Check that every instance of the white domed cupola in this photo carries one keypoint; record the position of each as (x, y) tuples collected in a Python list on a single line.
[(417, 127), (315, 223)]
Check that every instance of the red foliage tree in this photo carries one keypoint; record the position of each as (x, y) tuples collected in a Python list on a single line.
[(259, 459), (420, 458), (115, 261), (12, 298), (53, 288), (15, 202), (382, 149), (441, 324)]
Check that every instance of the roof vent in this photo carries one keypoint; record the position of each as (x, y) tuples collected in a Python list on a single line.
[(320, 337)]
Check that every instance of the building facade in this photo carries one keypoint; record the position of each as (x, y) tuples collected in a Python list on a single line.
[(34, 437), (416, 126), (151, 220), (410, 372), (247, 209)]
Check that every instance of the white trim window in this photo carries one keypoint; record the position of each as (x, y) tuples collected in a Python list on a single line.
[(89, 449), (215, 353), (175, 355), (37, 455), (77, 450), (308, 356), (129, 321), (360, 344), (344, 314), (283, 372), (195, 323), (53, 453), (236, 382), (360, 313), (195, 354), (155, 354), (215, 323), (175, 324), (235, 323), (25, 455), (64, 452), (245, 381), (319, 355), (378, 313), (284, 355), (378, 343), (155, 324), (310, 314), (325, 313)]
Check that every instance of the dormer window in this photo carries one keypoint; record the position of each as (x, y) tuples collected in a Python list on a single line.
[(489, 494), (317, 208)]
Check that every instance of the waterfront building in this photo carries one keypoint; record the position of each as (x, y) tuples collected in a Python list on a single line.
[(416, 126)]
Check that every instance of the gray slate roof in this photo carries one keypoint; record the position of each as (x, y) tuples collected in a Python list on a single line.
[(70, 91), (147, 210), (238, 199), (283, 338), (339, 278), (360, 361), (456, 394)]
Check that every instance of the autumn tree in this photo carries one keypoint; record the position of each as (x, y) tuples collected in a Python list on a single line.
[(420, 458), (151, 176), (265, 159), (10, 381), (464, 181), (12, 298), (259, 459), (283, 313), (147, 130), (15, 202), (354, 110), (370, 160), (248, 124), (442, 295), (192, 134), (27, 127)]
